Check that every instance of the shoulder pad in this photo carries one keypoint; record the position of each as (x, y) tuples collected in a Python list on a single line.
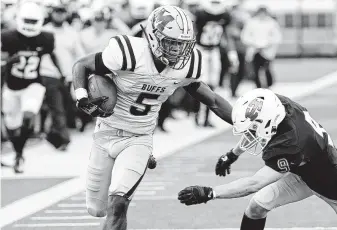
[(129, 47), (284, 144)]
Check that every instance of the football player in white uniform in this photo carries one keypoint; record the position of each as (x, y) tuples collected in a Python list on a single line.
[(146, 72)]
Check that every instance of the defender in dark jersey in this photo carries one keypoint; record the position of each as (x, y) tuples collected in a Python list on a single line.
[(211, 23), (23, 92), (300, 158)]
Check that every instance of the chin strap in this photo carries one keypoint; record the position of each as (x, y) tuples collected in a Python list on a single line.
[(164, 60)]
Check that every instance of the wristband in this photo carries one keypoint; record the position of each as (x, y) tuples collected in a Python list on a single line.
[(214, 195), (232, 157), (81, 93)]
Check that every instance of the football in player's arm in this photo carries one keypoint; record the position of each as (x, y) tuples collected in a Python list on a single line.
[(300, 158), (93, 63), (146, 71)]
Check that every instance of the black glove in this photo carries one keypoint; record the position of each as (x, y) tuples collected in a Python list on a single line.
[(223, 165), (91, 106), (195, 195), (152, 162)]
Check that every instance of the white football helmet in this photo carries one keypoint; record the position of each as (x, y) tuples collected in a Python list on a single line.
[(171, 37), (29, 19), (256, 116), (214, 7)]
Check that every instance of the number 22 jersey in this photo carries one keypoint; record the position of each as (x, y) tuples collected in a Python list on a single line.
[(211, 28), (141, 89), (28, 51)]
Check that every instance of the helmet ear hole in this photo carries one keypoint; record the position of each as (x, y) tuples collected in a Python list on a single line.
[(273, 129)]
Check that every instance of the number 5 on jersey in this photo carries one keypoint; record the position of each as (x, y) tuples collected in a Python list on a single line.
[(140, 100)]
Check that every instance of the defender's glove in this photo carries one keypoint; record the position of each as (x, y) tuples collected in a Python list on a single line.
[(223, 165), (195, 195), (91, 106), (152, 162)]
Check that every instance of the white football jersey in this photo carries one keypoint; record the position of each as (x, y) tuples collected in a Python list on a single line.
[(141, 89)]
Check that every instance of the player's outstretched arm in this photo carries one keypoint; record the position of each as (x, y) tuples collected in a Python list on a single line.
[(238, 188), (215, 102), (247, 185)]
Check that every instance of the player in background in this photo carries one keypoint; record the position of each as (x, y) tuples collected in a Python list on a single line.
[(23, 93), (262, 35), (300, 158), (146, 72), (211, 21), (139, 11)]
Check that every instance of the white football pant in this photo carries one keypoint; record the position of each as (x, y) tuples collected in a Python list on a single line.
[(16, 102)]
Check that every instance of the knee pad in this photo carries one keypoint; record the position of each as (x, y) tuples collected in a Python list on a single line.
[(266, 198), (96, 207), (255, 211)]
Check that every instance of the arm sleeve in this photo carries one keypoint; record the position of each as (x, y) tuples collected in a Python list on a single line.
[(5, 44), (283, 163), (112, 56), (50, 43)]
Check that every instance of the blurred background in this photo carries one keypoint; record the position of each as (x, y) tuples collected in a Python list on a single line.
[(301, 64), (308, 28)]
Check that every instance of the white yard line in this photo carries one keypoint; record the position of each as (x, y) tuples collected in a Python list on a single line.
[(85, 217), (38, 201), (295, 228), (56, 225), (43, 225), (65, 211)]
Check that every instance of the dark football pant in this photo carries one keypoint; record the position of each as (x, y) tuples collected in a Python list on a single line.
[(259, 62), (56, 100), (237, 78), (225, 64)]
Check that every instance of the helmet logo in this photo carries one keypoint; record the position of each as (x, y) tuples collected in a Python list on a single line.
[(162, 20), (253, 109)]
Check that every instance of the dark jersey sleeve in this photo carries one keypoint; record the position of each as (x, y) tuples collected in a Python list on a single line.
[(284, 163), (7, 41), (227, 19), (48, 42)]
